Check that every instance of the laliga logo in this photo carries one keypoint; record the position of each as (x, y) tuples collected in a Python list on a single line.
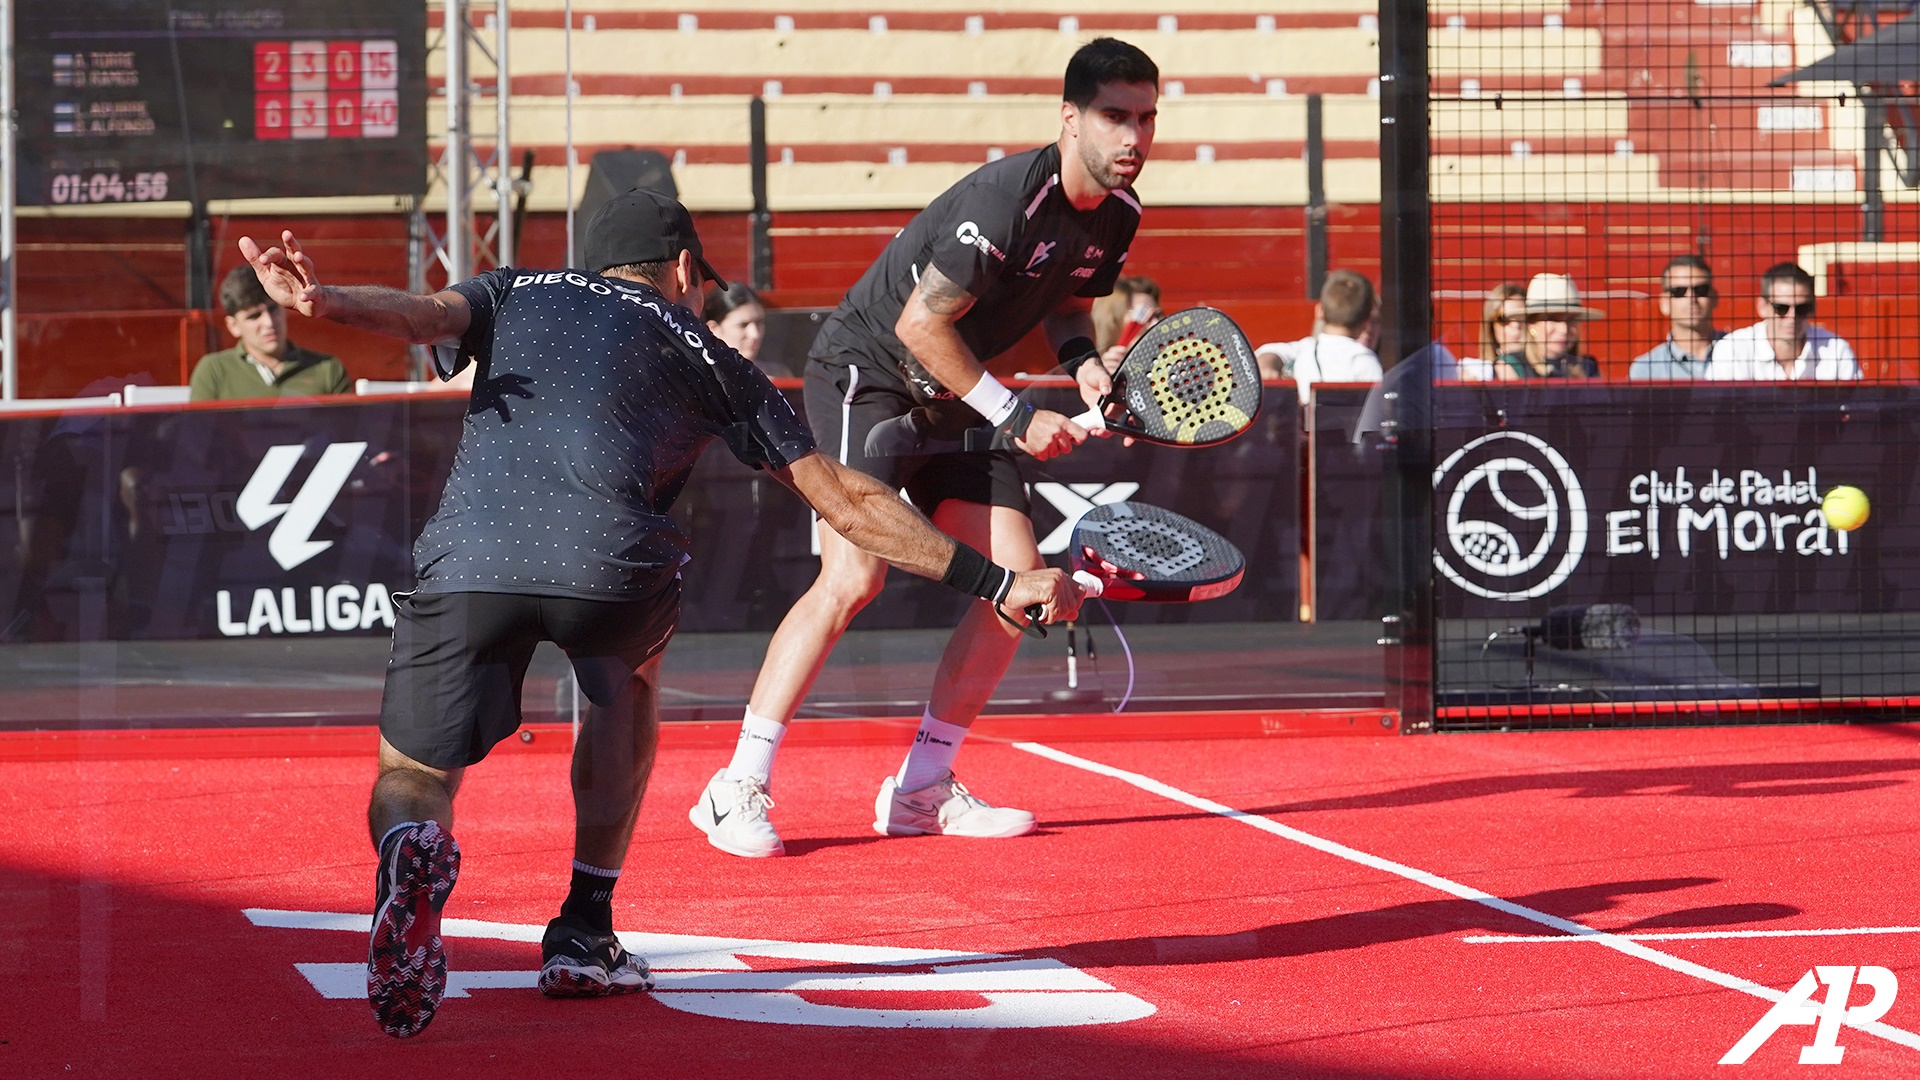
[(1515, 522), (292, 541)]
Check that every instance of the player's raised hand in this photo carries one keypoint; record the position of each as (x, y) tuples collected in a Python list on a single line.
[(1049, 434), (1057, 595), (286, 272)]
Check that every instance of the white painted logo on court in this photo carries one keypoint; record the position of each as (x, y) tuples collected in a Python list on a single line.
[(292, 541), (707, 976), (1513, 517), (1799, 1009)]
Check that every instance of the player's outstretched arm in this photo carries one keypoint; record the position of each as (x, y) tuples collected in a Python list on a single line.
[(289, 276), (879, 522)]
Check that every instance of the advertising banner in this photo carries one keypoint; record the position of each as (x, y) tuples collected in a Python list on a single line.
[(1678, 500), (298, 520)]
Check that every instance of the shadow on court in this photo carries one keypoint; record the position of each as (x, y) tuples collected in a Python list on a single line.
[(1406, 922), (1716, 781)]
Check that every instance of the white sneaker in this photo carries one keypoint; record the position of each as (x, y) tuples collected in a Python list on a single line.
[(944, 807), (733, 814)]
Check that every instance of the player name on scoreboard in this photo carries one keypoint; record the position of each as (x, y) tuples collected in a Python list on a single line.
[(326, 89), (135, 101)]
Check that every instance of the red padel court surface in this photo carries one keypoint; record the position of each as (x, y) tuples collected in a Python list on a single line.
[(1569, 904)]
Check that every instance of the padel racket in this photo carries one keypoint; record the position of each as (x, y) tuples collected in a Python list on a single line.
[(1190, 380), (1133, 551), (1141, 552)]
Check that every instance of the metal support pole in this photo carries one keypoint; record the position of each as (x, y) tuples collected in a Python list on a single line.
[(1406, 278), (1316, 154), (502, 145), (454, 169), (199, 259), (761, 249), (9, 341), (567, 66), (1873, 205)]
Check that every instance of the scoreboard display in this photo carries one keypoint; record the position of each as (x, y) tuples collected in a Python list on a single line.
[(127, 101)]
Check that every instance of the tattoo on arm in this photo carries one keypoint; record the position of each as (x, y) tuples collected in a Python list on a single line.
[(398, 314), (941, 295)]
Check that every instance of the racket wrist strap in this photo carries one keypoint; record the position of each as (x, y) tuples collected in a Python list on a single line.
[(974, 574), (991, 399), (1076, 352)]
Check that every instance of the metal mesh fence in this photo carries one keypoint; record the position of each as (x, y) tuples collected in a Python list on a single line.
[(1673, 246)]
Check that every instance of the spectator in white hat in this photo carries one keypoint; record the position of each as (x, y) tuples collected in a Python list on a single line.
[(1552, 346)]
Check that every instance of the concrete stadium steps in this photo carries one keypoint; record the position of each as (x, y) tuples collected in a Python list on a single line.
[(1757, 125), (1818, 173), (806, 9), (1526, 52), (682, 84), (966, 19), (903, 120), (862, 185), (769, 54)]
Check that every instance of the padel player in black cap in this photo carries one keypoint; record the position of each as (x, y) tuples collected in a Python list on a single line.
[(1021, 242), (595, 393)]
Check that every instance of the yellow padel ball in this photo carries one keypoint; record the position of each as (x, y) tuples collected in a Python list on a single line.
[(1846, 508)]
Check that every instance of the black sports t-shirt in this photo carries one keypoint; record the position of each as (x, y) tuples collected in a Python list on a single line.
[(1007, 234), (593, 398)]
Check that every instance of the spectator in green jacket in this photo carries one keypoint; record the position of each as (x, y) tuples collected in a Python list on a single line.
[(263, 363)]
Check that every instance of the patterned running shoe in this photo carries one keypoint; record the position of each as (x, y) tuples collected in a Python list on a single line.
[(733, 814), (944, 808), (579, 961), (406, 961)]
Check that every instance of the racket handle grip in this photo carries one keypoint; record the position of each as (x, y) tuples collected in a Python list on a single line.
[(1094, 420), (1089, 584)]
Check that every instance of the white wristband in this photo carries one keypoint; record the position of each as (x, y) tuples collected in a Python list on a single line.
[(990, 399)]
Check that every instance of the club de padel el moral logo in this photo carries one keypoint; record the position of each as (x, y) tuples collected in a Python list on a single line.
[(1513, 519)]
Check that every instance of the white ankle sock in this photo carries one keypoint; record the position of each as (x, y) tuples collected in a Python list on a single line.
[(934, 748), (753, 754)]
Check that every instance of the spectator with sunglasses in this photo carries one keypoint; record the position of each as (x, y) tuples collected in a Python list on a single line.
[(1687, 299), (1784, 344)]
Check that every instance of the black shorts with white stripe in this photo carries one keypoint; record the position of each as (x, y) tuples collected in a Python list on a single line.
[(845, 399)]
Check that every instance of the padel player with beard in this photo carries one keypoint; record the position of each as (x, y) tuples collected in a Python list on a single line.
[(1029, 240), (594, 396)]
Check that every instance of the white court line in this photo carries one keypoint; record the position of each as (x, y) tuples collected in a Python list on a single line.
[(1616, 942), (1695, 935)]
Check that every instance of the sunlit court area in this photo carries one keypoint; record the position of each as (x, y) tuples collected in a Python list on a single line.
[(1418, 586)]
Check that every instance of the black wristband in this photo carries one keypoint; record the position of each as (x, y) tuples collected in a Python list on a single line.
[(1076, 352), (974, 574)]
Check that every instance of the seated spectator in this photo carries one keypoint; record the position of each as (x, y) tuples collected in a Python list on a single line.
[(263, 362), (1687, 298), (1335, 353), (736, 316), (1552, 346), (1784, 344), (1123, 315), (1503, 329)]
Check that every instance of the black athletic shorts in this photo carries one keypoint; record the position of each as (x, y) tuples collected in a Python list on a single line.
[(845, 401), (453, 681)]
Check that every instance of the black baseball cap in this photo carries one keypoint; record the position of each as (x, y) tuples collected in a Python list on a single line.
[(642, 226)]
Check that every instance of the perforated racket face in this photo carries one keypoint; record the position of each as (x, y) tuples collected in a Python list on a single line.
[(1154, 554), (1191, 379)]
